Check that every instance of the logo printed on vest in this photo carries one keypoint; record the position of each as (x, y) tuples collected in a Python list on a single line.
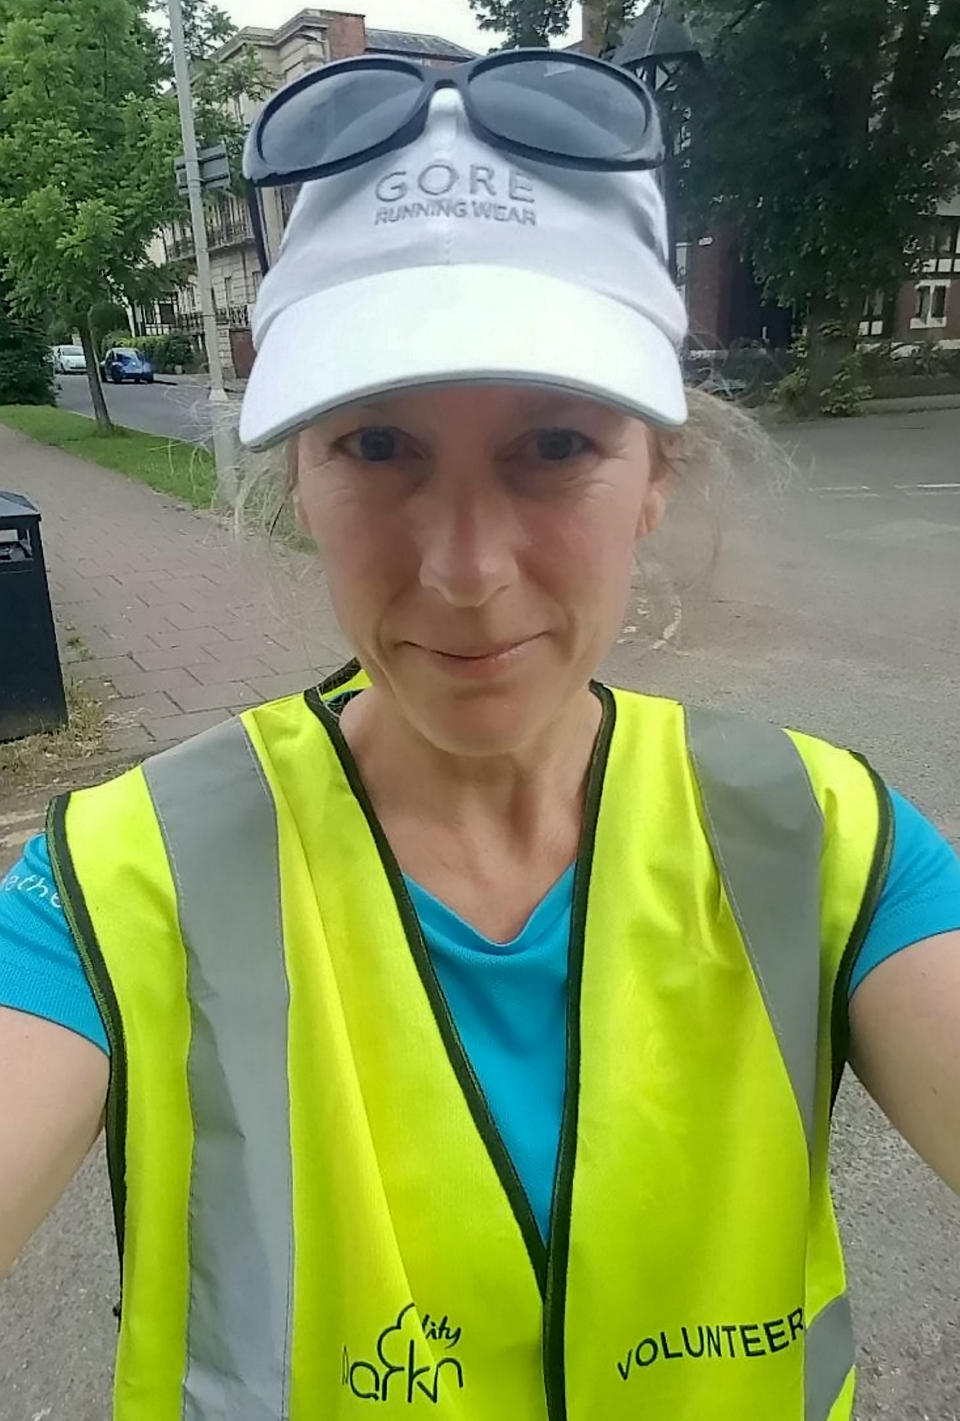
[(404, 1365), (723, 1340)]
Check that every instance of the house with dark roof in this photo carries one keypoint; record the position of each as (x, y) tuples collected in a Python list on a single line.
[(426, 49), (309, 39)]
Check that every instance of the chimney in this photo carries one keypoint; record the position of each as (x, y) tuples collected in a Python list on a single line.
[(348, 35)]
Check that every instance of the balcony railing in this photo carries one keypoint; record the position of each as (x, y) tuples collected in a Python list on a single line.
[(228, 231)]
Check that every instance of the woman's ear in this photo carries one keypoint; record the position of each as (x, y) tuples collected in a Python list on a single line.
[(293, 480), (654, 505), (662, 448)]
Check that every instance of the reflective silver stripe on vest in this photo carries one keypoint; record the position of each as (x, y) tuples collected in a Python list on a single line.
[(766, 832), (829, 1356), (220, 829)]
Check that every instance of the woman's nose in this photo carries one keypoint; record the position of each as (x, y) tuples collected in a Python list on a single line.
[(468, 543)]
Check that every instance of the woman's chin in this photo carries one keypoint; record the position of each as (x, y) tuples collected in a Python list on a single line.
[(479, 725)]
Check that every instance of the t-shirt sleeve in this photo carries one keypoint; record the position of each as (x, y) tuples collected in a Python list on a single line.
[(921, 897), (40, 968)]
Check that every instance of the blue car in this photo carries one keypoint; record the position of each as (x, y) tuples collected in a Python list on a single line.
[(123, 362)]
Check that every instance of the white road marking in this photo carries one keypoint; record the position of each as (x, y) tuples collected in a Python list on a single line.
[(673, 626), (927, 488)]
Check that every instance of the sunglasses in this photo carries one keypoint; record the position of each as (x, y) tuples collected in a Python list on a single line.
[(566, 109)]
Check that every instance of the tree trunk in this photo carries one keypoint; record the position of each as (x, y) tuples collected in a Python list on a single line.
[(832, 340), (101, 413)]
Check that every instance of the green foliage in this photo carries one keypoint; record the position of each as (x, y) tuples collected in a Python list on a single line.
[(536, 22), (121, 336), (823, 135), (523, 22), (793, 391), (86, 147), (842, 395), (26, 370), (88, 132), (217, 84), (170, 465), (877, 360), (168, 351), (205, 26), (930, 358), (108, 324), (609, 21), (845, 393)]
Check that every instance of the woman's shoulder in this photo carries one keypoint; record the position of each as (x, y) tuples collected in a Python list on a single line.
[(40, 969)]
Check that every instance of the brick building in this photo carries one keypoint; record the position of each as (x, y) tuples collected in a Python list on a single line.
[(926, 308), (307, 40)]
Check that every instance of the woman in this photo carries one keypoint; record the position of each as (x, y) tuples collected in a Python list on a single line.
[(473, 1029)]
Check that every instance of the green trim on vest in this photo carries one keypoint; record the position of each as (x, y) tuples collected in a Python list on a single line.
[(554, 1368), (876, 882), (95, 968)]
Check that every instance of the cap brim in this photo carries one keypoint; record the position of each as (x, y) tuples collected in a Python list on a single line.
[(449, 325)]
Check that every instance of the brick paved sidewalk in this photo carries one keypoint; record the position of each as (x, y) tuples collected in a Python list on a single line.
[(182, 625)]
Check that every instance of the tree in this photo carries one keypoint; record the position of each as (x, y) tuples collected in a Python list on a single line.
[(218, 85), (26, 372), (523, 22), (86, 148), (823, 136), (536, 22)]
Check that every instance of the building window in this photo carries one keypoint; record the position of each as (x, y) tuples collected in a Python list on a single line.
[(255, 278), (874, 315), (228, 291), (931, 308), (946, 237)]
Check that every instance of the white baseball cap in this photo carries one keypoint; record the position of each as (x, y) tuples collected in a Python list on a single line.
[(449, 262)]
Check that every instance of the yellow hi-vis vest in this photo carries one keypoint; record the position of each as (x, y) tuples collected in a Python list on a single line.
[(317, 1217)]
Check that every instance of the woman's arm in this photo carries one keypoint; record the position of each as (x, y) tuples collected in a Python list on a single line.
[(54, 1086), (905, 1047)]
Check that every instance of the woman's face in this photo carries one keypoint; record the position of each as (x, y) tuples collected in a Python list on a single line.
[(479, 547)]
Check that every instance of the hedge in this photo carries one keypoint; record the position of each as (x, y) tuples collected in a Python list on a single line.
[(166, 352)]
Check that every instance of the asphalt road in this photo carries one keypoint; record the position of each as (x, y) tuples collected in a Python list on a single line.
[(828, 601), (175, 409)]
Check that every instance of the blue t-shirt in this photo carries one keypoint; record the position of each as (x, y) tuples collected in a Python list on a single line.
[(508, 1000)]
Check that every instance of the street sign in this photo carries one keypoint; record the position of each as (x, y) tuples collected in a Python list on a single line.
[(214, 169)]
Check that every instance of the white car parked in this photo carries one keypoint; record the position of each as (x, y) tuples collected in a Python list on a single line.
[(69, 360)]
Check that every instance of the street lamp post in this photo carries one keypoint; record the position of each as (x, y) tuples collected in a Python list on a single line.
[(224, 443)]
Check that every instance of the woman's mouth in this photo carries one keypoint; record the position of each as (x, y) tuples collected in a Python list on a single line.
[(478, 661)]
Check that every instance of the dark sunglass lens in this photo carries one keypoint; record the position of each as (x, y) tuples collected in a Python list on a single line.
[(565, 108), (340, 116)]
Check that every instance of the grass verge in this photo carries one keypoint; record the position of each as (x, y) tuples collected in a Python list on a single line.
[(169, 465), (23, 762)]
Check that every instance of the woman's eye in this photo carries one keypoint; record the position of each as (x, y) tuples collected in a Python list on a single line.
[(559, 446), (375, 445)]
